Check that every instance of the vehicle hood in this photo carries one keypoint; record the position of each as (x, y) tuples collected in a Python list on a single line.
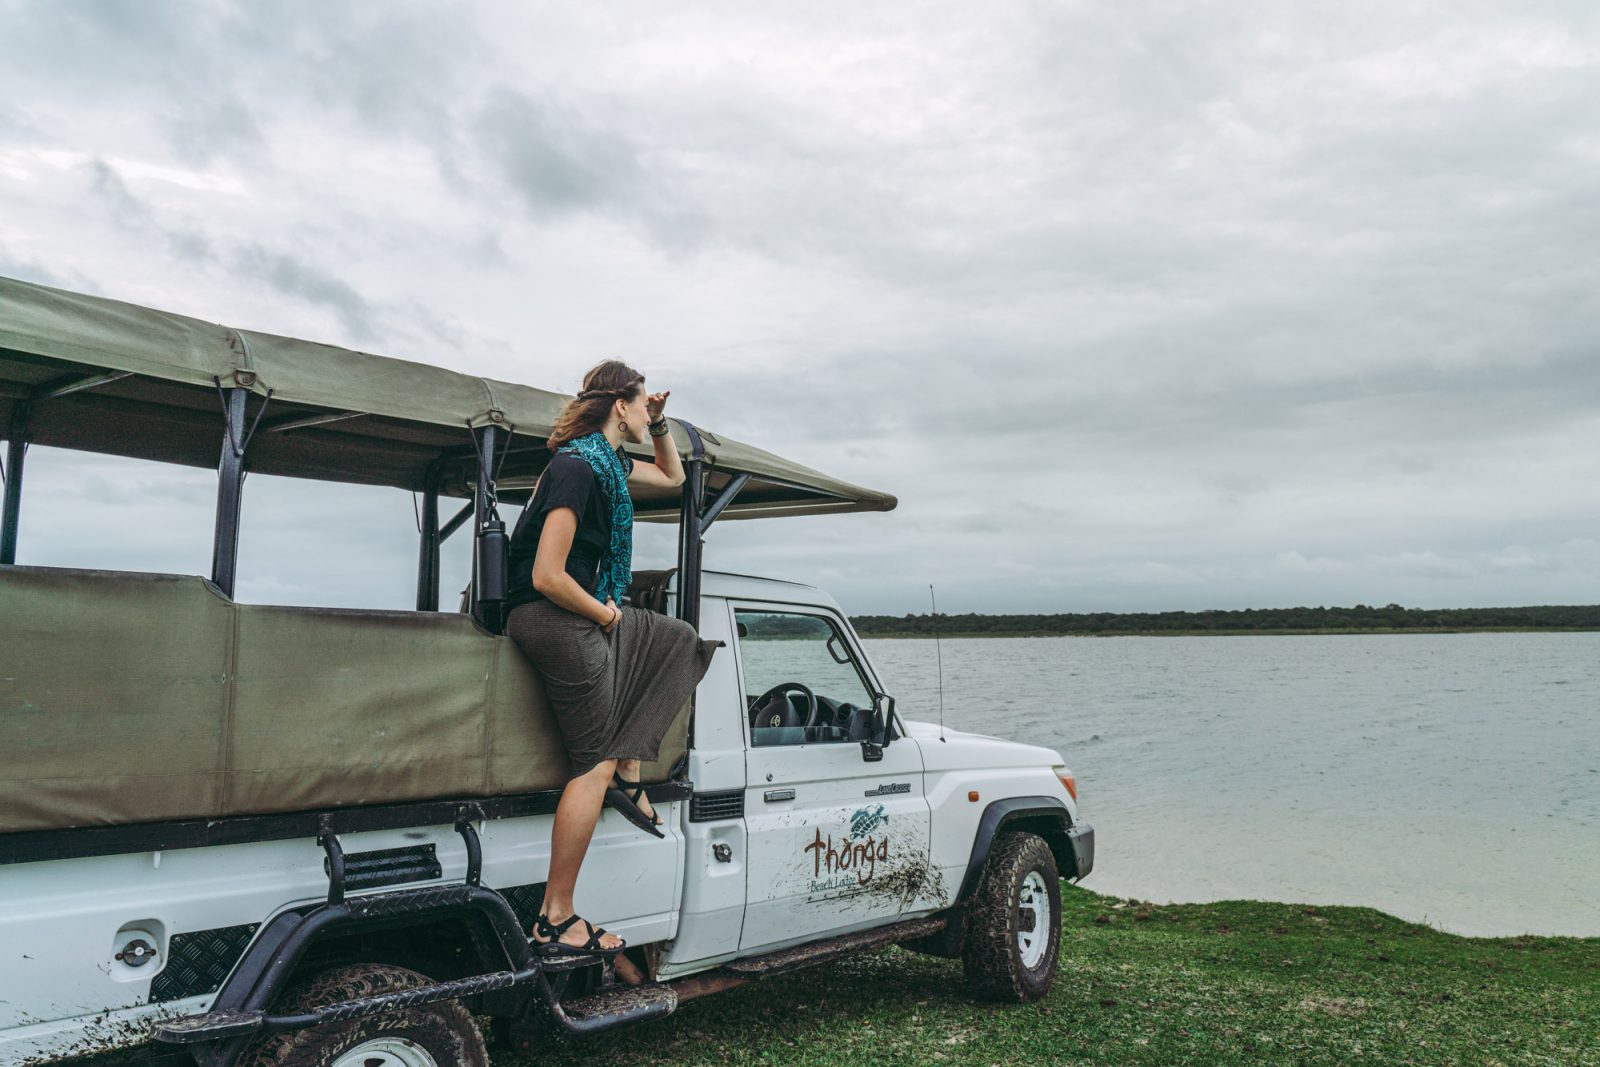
[(963, 749)]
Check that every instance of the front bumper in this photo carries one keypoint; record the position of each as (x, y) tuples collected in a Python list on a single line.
[(1081, 837)]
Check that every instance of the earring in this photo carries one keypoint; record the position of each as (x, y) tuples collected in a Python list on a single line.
[(623, 426)]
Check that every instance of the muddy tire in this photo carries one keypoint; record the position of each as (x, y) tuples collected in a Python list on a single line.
[(433, 1035), (1012, 945)]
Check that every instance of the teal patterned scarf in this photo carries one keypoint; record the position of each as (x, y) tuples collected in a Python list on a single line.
[(615, 574)]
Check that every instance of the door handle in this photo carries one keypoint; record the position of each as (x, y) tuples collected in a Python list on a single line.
[(777, 794)]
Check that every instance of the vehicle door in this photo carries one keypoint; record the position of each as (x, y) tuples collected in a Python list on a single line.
[(836, 842)]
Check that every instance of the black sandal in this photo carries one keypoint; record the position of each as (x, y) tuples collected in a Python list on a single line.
[(624, 796), (542, 927)]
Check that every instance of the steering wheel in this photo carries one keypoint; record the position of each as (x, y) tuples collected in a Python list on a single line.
[(784, 687)]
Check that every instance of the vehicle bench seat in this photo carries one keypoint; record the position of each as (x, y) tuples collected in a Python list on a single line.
[(150, 697)]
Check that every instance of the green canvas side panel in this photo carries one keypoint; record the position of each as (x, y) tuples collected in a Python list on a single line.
[(128, 698), (334, 707), (526, 752), (113, 689)]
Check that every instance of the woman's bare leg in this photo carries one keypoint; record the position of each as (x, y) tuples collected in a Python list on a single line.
[(629, 769), (576, 813)]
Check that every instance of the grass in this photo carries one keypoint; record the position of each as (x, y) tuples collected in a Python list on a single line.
[(1237, 982)]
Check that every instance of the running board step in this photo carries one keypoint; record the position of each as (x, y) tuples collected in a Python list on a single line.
[(560, 964), (616, 1005), (793, 959), (620, 1004)]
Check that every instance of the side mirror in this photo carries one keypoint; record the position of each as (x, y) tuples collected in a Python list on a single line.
[(879, 733)]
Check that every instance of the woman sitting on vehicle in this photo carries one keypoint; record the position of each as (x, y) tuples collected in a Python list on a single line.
[(616, 676)]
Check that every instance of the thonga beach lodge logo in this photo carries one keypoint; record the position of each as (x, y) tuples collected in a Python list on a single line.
[(856, 857)]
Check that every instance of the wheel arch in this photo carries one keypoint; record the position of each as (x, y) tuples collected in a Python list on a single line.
[(421, 941), (299, 942), (443, 946), (1045, 816)]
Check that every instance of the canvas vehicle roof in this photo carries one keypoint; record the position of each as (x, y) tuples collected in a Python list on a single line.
[(105, 376)]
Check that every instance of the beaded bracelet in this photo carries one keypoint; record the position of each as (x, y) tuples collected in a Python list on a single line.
[(661, 432)]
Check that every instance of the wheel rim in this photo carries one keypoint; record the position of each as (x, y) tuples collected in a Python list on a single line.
[(387, 1052), (1033, 902)]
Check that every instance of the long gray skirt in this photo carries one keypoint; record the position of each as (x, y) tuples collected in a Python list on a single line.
[(614, 694)]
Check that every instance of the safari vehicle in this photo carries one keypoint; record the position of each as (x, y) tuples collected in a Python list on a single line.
[(256, 834)]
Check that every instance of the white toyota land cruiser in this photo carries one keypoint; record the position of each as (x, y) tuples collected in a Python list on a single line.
[(250, 834)]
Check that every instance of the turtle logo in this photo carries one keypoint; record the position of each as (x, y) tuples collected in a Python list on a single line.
[(865, 821)]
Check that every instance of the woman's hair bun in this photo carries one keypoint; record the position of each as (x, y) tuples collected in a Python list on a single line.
[(610, 379)]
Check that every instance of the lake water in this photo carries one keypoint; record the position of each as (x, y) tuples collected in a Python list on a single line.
[(1452, 779)]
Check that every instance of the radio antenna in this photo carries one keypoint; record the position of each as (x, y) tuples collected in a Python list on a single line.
[(939, 657)]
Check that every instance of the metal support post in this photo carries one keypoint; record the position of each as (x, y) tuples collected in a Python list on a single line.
[(690, 544), (428, 550), (489, 540), (230, 488), (723, 499), (456, 521), (16, 449)]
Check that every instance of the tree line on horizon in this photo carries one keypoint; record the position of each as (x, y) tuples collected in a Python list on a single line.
[(1359, 617)]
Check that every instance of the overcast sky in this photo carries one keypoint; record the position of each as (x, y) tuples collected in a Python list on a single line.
[(1134, 305)]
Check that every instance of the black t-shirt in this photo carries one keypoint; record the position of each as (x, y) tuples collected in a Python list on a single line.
[(567, 482)]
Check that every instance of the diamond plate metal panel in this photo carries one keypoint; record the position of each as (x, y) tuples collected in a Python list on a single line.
[(198, 961), (525, 901)]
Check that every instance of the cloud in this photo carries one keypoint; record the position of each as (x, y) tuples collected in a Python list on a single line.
[(109, 186), (283, 271), (13, 266), (1578, 556), (1427, 564), (1131, 306), (293, 276), (1295, 563), (558, 162), (555, 160), (12, 124), (1514, 558), (222, 126)]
